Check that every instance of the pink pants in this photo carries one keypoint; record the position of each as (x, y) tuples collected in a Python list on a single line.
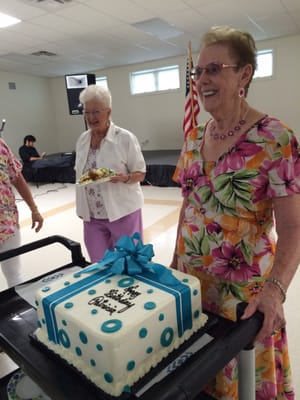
[(100, 234)]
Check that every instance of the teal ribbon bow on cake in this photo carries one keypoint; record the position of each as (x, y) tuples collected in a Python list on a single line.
[(132, 257)]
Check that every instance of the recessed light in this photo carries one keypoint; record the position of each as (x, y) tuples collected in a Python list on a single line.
[(158, 27), (7, 20)]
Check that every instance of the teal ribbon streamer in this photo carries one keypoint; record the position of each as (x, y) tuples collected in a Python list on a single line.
[(132, 257)]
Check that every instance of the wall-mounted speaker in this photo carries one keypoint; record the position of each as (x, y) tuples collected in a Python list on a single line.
[(75, 84)]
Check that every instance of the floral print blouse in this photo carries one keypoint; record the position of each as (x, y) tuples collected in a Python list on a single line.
[(228, 228), (10, 168), (94, 196)]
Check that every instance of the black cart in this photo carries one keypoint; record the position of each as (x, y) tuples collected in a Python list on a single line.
[(181, 376)]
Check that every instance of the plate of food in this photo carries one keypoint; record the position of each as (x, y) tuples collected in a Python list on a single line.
[(21, 387), (95, 176)]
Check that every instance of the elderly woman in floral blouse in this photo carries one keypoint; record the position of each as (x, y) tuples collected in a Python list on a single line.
[(240, 174), (11, 175)]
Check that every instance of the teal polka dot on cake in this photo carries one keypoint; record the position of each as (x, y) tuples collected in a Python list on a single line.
[(77, 275), (126, 389), (64, 339), (126, 282), (99, 347), (130, 365), (45, 289), (112, 325), (185, 280), (196, 314), (67, 283), (149, 350), (108, 377), (78, 351), (107, 280), (149, 291), (195, 292), (161, 317), (166, 337), (150, 305), (93, 362), (43, 321), (94, 311), (143, 333), (69, 304), (36, 303), (64, 322), (39, 324), (83, 337), (92, 291)]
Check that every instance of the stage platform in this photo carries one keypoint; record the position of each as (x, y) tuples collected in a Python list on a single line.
[(160, 167)]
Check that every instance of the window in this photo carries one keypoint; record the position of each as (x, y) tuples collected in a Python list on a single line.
[(154, 80), (102, 81), (264, 64)]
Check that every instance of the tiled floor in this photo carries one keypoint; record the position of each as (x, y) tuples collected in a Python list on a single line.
[(160, 214)]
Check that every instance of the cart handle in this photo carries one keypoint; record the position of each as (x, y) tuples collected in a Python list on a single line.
[(74, 247)]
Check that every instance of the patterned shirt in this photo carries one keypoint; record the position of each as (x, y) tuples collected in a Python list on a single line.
[(227, 237), (228, 229), (10, 168), (94, 196)]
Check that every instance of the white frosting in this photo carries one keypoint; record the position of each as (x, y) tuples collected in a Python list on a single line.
[(116, 330)]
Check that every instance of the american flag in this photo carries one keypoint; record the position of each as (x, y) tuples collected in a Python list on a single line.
[(191, 108)]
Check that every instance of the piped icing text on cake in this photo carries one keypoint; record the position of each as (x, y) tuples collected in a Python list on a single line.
[(124, 298)]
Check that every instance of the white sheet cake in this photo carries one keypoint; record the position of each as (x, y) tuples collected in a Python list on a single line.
[(113, 327)]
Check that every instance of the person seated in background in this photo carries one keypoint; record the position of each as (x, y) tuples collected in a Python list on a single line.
[(32, 159), (28, 152)]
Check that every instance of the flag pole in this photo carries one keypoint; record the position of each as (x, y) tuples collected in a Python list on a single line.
[(190, 82)]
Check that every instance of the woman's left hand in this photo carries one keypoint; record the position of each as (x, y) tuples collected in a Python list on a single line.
[(269, 302), (119, 177), (37, 220)]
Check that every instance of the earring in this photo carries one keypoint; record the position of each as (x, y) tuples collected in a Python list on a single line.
[(242, 92)]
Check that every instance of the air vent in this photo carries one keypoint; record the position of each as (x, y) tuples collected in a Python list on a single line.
[(48, 1), (56, 1), (44, 53)]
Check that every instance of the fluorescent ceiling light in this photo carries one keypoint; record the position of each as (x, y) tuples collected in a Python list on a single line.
[(7, 20)]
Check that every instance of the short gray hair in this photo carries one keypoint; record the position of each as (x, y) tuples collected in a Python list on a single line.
[(96, 93), (240, 44)]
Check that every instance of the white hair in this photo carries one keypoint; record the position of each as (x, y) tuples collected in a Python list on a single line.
[(96, 93)]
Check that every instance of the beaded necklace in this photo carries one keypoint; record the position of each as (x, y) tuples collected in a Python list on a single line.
[(222, 136)]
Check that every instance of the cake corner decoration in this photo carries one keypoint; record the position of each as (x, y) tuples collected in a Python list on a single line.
[(117, 318)]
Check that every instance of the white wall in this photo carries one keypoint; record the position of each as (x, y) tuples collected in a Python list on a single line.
[(157, 118), (39, 105), (280, 96), (28, 109)]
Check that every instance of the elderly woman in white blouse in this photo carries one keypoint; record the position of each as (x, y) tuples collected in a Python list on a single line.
[(109, 209)]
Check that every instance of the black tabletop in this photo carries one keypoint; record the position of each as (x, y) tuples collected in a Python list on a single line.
[(18, 321), (60, 381)]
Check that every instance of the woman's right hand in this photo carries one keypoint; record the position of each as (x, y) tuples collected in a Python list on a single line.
[(268, 302)]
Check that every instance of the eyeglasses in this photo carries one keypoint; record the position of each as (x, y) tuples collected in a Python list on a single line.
[(95, 113), (211, 69)]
